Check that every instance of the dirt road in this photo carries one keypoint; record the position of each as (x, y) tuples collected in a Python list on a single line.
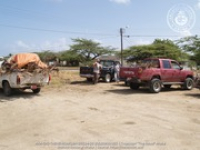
[(79, 115)]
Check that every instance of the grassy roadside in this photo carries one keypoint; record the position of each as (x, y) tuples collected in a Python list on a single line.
[(68, 68), (62, 78)]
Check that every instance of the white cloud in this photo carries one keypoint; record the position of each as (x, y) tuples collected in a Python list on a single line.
[(142, 42), (186, 33), (121, 1), (198, 4), (21, 44), (57, 45), (98, 41)]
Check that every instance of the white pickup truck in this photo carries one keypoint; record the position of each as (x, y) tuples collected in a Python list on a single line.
[(22, 79)]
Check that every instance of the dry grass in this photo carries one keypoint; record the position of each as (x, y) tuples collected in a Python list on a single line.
[(61, 78)]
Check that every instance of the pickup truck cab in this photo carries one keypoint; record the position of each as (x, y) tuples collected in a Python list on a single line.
[(157, 73), (106, 72)]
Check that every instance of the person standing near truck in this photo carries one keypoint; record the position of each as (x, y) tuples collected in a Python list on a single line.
[(96, 70), (116, 70)]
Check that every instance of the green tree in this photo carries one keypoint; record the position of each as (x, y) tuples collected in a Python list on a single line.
[(47, 55), (159, 48), (70, 55), (88, 50), (191, 45)]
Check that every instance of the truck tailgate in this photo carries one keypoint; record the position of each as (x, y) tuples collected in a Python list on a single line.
[(86, 72), (127, 72), (38, 78)]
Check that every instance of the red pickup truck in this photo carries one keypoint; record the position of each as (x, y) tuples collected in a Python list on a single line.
[(157, 73)]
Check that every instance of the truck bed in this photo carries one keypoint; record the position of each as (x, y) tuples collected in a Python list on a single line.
[(24, 79)]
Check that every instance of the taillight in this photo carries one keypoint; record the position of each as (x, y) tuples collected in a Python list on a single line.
[(18, 79), (49, 78), (140, 70)]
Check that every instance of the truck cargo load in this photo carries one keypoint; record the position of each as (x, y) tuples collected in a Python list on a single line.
[(21, 60)]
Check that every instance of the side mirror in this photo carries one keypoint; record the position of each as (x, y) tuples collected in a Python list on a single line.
[(181, 68)]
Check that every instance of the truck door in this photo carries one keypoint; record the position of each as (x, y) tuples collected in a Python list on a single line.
[(176, 74), (166, 71)]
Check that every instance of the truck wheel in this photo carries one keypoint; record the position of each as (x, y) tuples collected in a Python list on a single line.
[(134, 86), (155, 86), (188, 84), (7, 89), (107, 78), (36, 91)]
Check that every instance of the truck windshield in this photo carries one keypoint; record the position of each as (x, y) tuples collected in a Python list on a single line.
[(150, 63), (106, 63)]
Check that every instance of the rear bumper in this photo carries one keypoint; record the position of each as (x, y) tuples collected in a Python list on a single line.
[(138, 82), (30, 86), (135, 80), (86, 75)]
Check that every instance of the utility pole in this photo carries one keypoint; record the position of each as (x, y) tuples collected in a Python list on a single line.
[(121, 35)]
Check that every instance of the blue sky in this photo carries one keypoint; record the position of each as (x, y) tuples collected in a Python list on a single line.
[(37, 25)]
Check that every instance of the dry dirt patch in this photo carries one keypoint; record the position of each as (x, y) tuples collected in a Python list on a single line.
[(71, 110)]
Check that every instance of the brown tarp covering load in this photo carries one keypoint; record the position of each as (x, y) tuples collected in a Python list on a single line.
[(21, 60)]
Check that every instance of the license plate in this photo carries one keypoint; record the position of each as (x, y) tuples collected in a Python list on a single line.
[(34, 87)]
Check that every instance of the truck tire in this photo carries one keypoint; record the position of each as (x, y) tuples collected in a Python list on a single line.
[(188, 84), (155, 86), (107, 78), (134, 86), (36, 90), (7, 90)]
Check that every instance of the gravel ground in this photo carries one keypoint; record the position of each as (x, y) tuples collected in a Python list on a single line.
[(80, 115)]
